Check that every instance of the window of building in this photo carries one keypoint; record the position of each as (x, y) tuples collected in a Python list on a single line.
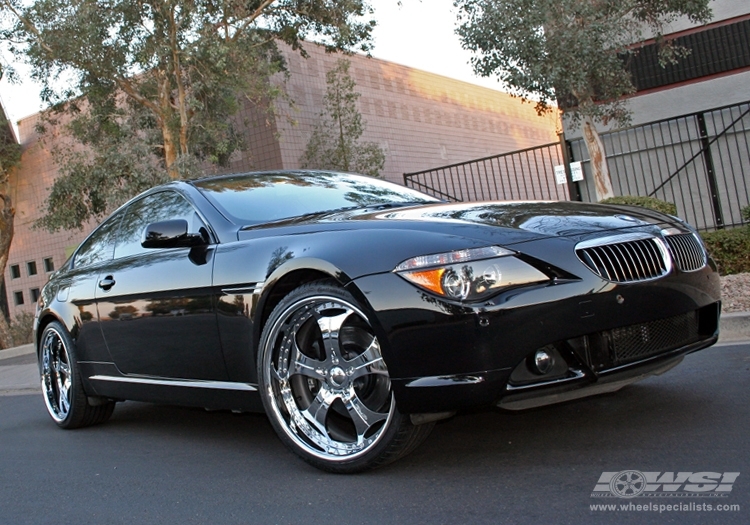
[(49, 265), (15, 271), (18, 296), (31, 267), (34, 292)]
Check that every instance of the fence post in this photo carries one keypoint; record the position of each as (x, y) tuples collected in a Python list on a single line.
[(574, 192), (710, 173)]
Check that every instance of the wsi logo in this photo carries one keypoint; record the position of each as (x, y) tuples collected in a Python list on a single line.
[(634, 483)]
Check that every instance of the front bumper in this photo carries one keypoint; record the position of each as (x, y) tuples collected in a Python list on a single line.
[(443, 356)]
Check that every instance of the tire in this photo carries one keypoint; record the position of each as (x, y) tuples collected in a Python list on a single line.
[(325, 386), (64, 397)]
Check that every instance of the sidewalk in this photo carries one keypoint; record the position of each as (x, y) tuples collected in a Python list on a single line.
[(23, 378), (19, 373)]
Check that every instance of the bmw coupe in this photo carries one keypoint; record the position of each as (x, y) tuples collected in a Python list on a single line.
[(357, 312)]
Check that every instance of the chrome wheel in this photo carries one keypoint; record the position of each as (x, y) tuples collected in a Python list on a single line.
[(67, 402), (56, 375), (325, 380)]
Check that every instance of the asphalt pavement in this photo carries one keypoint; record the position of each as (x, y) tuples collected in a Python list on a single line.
[(162, 464)]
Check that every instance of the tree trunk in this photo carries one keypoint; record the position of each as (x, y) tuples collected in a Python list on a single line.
[(165, 110), (599, 169), (6, 236), (181, 94), (170, 152)]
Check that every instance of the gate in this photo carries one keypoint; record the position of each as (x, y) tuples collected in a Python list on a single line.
[(699, 162)]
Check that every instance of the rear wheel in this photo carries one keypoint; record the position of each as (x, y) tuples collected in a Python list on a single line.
[(325, 386), (64, 396)]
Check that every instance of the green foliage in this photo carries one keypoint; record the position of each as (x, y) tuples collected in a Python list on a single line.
[(730, 248), (645, 202), (334, 143), (22, 328), (746, 214), (547, 49), (117, 161), (158, 85)]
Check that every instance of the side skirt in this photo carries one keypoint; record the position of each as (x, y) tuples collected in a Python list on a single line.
[(104, 380)]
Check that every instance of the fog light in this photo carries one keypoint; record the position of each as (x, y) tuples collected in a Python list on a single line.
[(543, 362)]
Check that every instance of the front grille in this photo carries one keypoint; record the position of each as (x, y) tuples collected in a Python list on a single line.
[(687, 251), (639, 341), (626, 262)]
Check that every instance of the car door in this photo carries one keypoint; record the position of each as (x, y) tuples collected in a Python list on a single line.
[(77, 287), (156, 306)]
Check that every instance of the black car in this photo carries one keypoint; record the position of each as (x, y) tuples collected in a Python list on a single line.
[(356, 312)]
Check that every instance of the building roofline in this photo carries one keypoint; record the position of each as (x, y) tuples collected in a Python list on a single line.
[(7, 130)]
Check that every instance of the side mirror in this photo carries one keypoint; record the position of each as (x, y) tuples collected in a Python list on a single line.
[(171, 234)]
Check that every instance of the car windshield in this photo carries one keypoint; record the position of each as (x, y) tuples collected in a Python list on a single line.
[(264, 197)]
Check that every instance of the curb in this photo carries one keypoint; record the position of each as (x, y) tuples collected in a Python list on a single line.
[(735, 327), (18, 350)]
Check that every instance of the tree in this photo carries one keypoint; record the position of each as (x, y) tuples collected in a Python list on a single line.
[(334, 143), (10, 157), (571, 50), (170, 74)]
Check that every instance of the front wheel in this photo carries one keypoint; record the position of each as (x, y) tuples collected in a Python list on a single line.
[(66, 401), (325, 386)]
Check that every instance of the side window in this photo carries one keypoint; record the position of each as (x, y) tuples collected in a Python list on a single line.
[(162, 206), (100, 244)]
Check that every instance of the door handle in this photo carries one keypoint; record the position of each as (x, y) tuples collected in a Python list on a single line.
[(107, 283)]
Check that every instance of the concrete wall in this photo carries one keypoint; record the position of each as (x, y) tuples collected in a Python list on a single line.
[(420, 119), (30, 185)]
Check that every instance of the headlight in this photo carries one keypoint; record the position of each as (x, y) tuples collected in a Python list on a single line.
[(469, 275)]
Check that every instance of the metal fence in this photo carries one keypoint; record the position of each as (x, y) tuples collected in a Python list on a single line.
[(698, 161), (519, 175)]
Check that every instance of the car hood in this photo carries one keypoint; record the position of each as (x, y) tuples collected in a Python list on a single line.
[(518, 221), (559, 218)]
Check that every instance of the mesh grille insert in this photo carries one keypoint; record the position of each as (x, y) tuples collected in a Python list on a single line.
[(635, 342), (626, 262)]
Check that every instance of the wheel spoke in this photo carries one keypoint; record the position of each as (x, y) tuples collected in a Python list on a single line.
[(306, 366), (330, 328), (46, 368), (317, 412), (62, 398), (368, 362), (362, 417)]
